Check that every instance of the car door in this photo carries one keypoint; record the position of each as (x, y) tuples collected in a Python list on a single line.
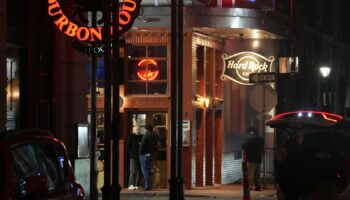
[(41, 159)]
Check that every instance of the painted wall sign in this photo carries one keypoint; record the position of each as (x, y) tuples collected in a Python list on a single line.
[(237, 67), (129, 11), (144, 72)]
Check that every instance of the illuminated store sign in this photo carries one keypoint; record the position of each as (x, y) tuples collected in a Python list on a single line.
[(144, 71), (237, 67), (96, 49), (129, 11)]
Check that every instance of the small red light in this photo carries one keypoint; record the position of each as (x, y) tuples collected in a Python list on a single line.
[(78, 191)]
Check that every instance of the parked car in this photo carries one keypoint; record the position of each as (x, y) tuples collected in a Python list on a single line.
[(322, 157), (35, 165)]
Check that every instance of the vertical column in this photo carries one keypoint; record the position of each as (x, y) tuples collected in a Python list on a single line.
[(209, 154), (116, 70), (200, 117), (218, 147), (3, 64), (107, 40)]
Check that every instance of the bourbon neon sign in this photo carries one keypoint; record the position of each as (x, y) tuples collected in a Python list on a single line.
[(145, 73), (127, 14)]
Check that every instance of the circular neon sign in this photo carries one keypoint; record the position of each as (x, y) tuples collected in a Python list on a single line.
[(144, 71), (129, 11)]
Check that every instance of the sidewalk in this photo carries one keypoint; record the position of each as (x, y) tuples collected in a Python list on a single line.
[(232, 191)]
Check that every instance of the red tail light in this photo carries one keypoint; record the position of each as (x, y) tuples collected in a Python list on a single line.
[(78, 191)]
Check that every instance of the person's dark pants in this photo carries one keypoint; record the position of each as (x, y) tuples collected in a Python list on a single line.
[(146, 167), (254, 175), (134, 172)]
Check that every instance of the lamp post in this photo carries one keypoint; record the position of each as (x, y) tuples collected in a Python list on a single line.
[(326, 95)]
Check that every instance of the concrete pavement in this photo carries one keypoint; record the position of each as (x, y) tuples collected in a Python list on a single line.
[(232, 192)]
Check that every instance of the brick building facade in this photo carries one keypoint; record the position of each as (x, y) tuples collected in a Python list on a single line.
[(54, 80)]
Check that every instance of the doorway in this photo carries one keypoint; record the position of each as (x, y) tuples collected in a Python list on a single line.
[(159, 119)]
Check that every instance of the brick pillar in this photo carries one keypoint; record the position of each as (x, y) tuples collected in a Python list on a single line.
[(3, 33), (209, 142), (200, 117), (218, 146), (187, 166)]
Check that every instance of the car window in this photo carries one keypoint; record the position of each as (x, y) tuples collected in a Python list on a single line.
[(326, 151), (40, 159)]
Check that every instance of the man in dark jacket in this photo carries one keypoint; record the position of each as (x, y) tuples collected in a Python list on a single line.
[(253, 148), (148, 152), (135, 167)]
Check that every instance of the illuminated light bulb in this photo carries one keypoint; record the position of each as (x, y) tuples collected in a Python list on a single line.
[(325, 71), (255, 43)]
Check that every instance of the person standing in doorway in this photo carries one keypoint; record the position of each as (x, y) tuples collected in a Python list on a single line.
[(253, 148), (147, 153), (135, 167)]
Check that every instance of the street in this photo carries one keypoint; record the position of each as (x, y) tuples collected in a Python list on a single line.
[(232, 192)]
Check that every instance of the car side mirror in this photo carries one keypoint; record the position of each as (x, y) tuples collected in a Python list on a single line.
[(33, 186)]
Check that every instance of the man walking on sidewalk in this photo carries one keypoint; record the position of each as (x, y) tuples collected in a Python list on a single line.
[(254, 148)]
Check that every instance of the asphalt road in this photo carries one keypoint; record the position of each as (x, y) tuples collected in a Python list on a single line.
[(226, 192), (234, 197)]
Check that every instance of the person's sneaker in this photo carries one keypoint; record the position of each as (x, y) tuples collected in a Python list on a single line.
[(131, 187), (136, 188)]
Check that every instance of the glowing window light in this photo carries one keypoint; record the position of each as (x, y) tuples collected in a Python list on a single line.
[(146, 74)]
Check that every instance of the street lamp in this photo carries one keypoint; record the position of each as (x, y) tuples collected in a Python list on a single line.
[(325, 71), (326, 95)]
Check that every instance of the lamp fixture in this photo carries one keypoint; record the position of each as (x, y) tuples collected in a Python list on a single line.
[(203, 100), (325, 71)]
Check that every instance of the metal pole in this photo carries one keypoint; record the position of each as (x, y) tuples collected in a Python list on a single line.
[(180, 190), (263, 132), (106, 190), (116, 115), (172, 180), (93, 172)]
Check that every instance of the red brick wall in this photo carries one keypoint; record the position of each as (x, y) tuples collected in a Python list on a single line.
[(187, 166), (187, 107), (200, 148), (218, 147)]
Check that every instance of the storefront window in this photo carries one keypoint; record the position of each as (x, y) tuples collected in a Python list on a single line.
[(147, 70), (12, 92), (100, 77)]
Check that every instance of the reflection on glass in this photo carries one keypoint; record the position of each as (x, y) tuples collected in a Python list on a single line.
[(39, 159), (83, 142)]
